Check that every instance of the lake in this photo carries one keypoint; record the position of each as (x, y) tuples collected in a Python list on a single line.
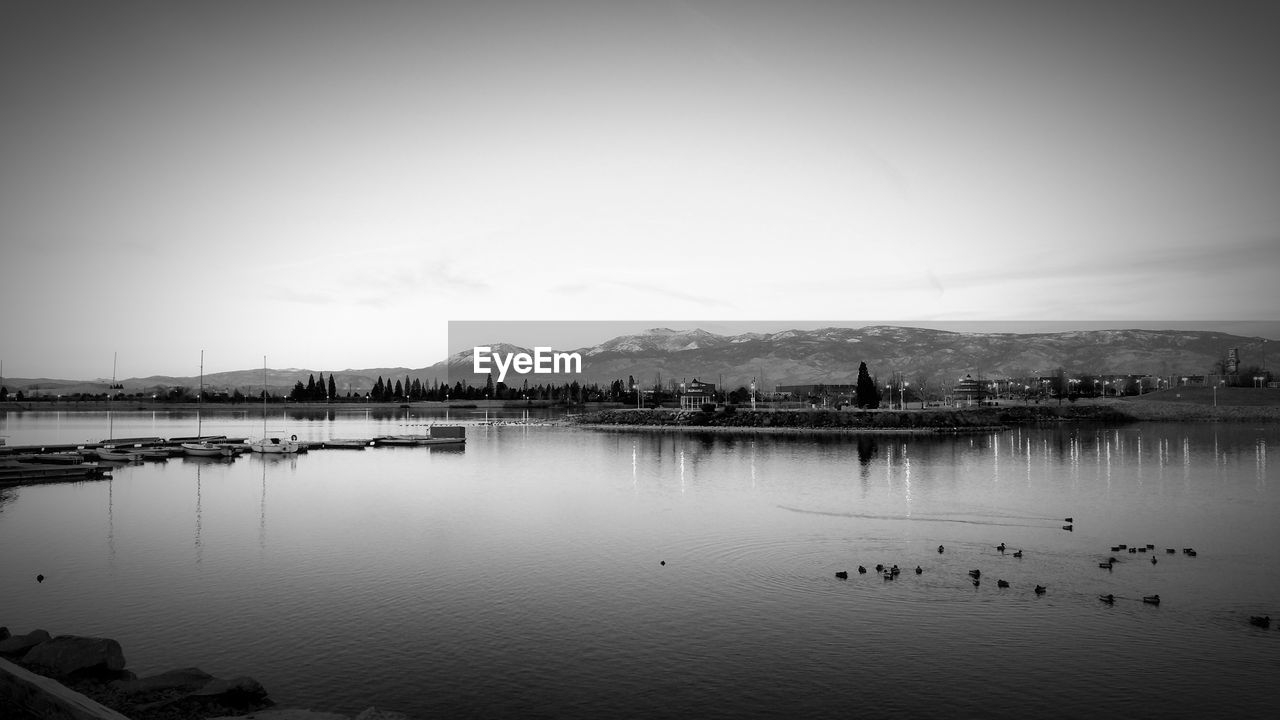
[(552, 571)]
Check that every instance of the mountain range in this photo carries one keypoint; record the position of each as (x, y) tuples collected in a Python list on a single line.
[(827, 355)]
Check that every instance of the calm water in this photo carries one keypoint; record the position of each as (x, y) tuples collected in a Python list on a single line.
[(522, 576)]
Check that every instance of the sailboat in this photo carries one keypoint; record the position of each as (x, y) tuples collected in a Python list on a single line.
[(271, 443), (204, 448), (110, 451)]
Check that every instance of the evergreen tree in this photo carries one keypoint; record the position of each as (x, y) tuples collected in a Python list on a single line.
[(866, 394), (399, 391), (333, 387), (376, 395), (311, 388)]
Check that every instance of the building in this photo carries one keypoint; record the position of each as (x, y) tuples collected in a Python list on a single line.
[(695, 394), (969, 391)]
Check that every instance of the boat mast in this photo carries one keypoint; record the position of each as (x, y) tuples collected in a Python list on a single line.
[(199, 395), (264, 396), (111, 427)]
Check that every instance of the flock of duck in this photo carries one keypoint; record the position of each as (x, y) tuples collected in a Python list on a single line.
[(975, 575)]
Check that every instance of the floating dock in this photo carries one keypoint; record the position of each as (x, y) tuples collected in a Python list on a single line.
[(29, 464), (26, 472)]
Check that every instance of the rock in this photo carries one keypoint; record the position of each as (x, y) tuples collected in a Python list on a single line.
[(241, 687), (239, 694), (373, 713), (182, 680), (20, 644), (284, 714), (67, 654)]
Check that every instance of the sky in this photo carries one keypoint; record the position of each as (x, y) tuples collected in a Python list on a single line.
[(329, 184)]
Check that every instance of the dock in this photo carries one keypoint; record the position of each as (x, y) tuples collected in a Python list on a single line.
[(30, 464), (27, 472)]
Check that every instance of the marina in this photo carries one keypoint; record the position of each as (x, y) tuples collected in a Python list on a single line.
[(58, 462)]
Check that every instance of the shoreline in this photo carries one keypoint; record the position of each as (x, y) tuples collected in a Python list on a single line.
[(926, 421), (774, 430)]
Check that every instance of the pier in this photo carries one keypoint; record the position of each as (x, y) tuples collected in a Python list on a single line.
[(72, 462)]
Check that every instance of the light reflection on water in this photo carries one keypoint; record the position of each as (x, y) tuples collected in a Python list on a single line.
[(523, 575)]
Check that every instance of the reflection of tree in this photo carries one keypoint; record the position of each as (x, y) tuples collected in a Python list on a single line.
[(6, 496), (866, 449)]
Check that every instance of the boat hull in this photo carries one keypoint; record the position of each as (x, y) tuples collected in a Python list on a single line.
[(206, 450), (274, 445)]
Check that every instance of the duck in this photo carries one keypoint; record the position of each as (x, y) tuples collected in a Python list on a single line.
[(894, 569), (879, 567), (862, 570), (975, 574), (1260, 620), (1000, 547), (1068, 519), (888, 575), (939, 549), (1115, 548), (1153, 561), (1150, 546), (1105, 565), (1002, 583), (1151, 599), (843, 575), (1068, 528), (976, 582), (1040, 590), (919, 570), (1192, 553), (1169, 551), (1142, 550), (1108, 598), (1122, 546), (1018, 554), (40, 578), (1133, 550)]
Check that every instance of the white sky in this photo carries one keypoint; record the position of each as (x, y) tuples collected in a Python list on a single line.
[(329, 183)]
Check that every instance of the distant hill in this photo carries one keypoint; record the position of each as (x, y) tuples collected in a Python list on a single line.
[(827, 355), (831, 355)]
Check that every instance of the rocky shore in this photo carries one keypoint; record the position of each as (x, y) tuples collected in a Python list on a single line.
[(85, 678)]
